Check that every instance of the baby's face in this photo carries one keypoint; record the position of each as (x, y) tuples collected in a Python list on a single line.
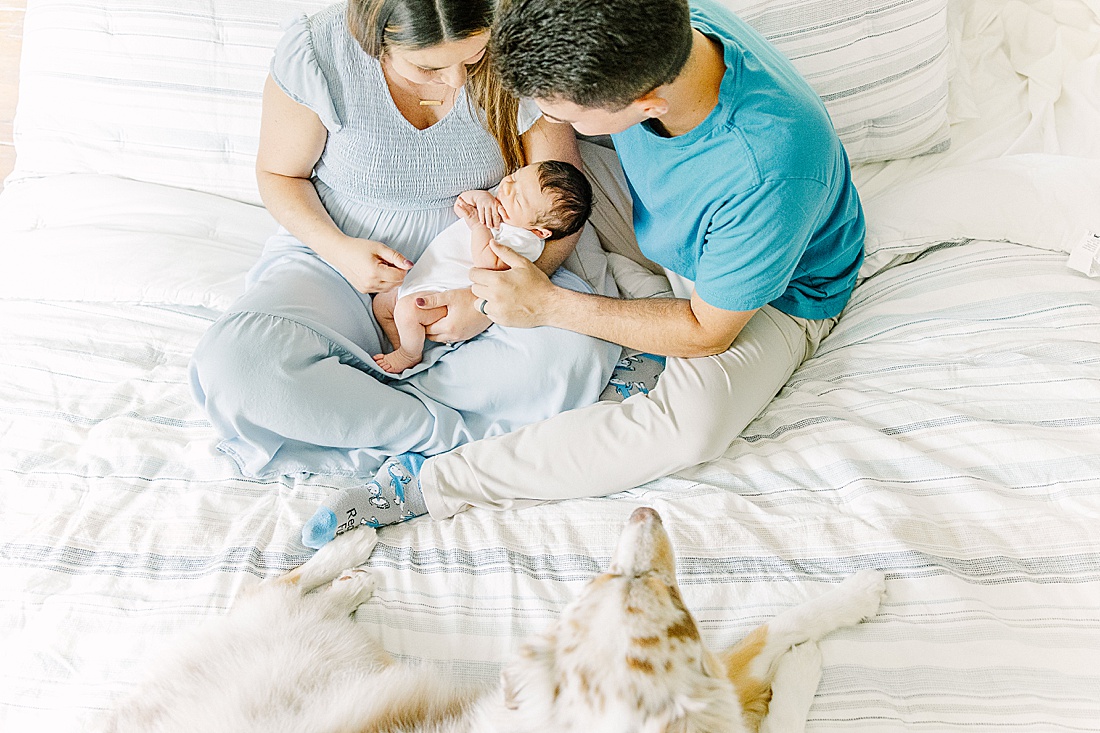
[(522, 198)]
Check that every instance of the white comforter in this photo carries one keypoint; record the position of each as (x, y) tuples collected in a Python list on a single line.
[(948, 432)]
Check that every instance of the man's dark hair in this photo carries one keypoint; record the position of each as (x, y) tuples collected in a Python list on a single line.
[(572, 194), (594, 53)]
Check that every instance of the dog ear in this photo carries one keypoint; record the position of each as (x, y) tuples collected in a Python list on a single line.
[(510, 688), (135, 714), (712, 665), (666, 723), (709, 704), (527, 680), (688, 715)]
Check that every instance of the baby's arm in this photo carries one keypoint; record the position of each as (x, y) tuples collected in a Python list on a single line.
[(480, 251)]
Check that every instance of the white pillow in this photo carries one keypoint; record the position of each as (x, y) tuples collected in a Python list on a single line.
[(881, 67), (1046, 201), (99, 238), (169, 92), (165, 92)]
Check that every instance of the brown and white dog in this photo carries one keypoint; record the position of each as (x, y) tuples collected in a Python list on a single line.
[(625, 657)]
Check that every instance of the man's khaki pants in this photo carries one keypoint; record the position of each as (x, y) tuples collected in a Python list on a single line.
[(697, 409)]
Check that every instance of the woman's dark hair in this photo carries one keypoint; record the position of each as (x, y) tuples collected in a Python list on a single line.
[(572, 194), (415, 24), (594, 53)]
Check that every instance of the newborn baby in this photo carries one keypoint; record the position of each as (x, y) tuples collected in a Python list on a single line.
[(539, 202)]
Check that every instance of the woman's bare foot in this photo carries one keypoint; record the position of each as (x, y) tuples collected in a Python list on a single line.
[(397, 361)]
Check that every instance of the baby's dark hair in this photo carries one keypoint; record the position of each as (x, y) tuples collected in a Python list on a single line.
[(572, 194)]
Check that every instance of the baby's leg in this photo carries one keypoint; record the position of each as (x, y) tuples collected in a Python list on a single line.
[(383, 305), (411, 322)]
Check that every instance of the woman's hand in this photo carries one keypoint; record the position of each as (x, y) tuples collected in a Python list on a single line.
[(370, 266), (463, 320)]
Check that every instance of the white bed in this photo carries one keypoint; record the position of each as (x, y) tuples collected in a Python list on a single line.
[(948, 431)]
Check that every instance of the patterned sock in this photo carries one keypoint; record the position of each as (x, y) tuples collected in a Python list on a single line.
[(636, 373), (392, 496)]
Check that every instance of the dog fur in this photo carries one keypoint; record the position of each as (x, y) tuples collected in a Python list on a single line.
[(625, 657)]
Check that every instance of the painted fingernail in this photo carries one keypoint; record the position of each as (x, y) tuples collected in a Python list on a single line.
[(420, 301)]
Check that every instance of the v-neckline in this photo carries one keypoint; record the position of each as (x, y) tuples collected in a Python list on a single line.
[(377, 66)]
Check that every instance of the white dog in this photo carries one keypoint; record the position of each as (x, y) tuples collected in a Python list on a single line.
[(625, 657)]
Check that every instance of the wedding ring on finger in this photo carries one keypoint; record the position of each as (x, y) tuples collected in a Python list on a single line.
[(481, 306)]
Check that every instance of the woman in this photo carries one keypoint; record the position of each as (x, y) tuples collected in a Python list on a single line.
[(375, 116)]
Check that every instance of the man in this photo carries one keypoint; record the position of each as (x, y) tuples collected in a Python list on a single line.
[(741, 191)]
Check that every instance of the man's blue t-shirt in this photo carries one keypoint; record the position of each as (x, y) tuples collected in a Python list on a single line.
[(756, 204)]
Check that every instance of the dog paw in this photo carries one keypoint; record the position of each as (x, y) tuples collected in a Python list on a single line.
[(353, 546), (356, 583), (797, 676), (349, 549), (798, 672), (355, 575), (803, 659), (863, 593)]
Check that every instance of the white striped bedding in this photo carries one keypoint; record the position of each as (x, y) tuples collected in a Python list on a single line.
[(903, 445), (948, 432)]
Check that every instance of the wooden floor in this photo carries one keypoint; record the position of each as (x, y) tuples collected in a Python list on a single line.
[(11, 30)]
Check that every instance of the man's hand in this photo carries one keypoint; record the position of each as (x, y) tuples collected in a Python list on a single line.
[(523, 297), (519, 296), (370, 266), (462, 321)]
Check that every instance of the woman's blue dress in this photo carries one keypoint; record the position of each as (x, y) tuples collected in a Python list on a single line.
[(286, 374)]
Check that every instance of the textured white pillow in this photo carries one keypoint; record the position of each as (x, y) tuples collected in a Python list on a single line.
[(881, 67), (99, 238), (169, 92), (158, 91), (1046, 201)]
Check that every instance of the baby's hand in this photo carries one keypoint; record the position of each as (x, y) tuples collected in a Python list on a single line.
[(486, 205), (469, 214)]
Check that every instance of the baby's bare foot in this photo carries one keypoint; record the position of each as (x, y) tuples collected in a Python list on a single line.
[(396, 362)]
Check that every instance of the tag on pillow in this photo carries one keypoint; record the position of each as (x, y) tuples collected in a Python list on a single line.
[(1085, 257)]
